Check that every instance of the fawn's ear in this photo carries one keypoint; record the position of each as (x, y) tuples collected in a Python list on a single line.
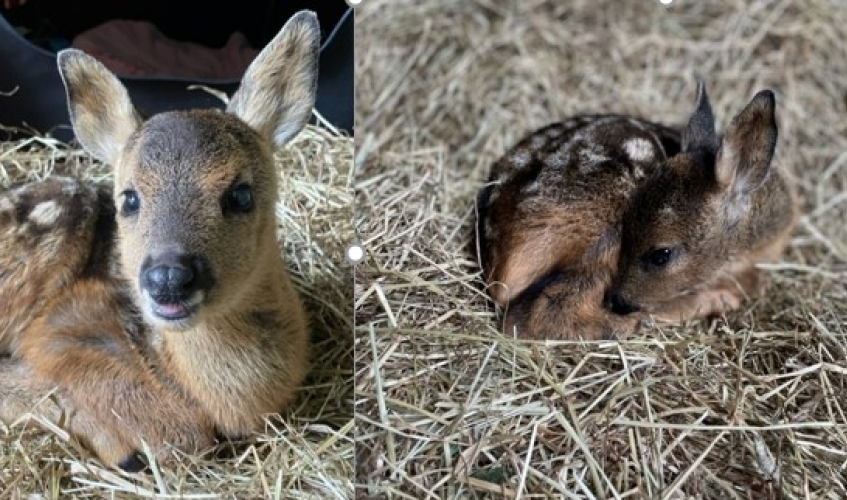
[(102, 114), (277, 93), (699, 133), (748, 146)]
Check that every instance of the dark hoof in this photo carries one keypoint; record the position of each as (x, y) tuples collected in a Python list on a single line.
[(133, 463)]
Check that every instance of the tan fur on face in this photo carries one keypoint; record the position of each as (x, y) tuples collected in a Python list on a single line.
[(77, 323), (198, 145)]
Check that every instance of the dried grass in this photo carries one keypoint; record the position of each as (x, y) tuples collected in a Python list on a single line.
[(306, 454), (752, 406)]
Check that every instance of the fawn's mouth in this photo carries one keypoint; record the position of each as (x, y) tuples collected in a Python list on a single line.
[(168, 309), (616, 303)]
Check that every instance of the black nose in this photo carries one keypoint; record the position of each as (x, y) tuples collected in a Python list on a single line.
[(619, 305), (174, 277)]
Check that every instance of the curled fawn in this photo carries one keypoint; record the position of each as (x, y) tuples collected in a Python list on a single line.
[(588, 225), (167, 315)]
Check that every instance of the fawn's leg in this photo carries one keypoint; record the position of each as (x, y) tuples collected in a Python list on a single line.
[(23, 395), (725, 295), (109, 390), (46, 233)]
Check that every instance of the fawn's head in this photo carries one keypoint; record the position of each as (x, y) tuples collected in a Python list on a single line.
[(692, 215), (568, 304), (195, 191)]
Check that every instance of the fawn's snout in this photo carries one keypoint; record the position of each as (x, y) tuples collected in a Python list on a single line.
[(176, 282), (619, 305)]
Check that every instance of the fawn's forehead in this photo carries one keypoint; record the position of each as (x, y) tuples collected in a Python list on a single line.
[(203, 147), (674, 194)]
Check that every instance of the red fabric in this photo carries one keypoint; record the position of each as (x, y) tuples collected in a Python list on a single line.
[(135, 48), (8, 4)]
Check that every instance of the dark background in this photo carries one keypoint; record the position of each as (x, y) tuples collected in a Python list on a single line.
[(32, 97)]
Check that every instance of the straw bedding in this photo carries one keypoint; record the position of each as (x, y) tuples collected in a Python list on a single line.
[(748, 406), (308, 453)]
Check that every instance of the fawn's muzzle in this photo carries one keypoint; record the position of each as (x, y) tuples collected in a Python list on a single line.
[(616, 303), (176, 283)]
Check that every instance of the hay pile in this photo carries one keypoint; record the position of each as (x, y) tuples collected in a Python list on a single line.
[(308, 453), (751, 406)]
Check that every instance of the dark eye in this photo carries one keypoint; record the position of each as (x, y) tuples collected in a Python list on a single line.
[(131, 202), (659, 257), (239, 199)]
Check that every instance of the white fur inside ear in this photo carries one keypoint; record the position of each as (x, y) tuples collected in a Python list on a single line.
[(278, 90), (735, 208), (639, 149), (101, 112)]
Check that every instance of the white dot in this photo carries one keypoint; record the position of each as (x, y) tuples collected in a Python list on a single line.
[(663, 2), (45, 213), (639, 149), (354, 2), (355, 253)]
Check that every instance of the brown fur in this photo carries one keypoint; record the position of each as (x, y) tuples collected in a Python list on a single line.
[(551, 202), (721, 206), (77, 317), (555, 194), (566, 303)]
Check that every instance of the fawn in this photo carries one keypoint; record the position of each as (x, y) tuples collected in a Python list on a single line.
[(588, 225), (162, 312)]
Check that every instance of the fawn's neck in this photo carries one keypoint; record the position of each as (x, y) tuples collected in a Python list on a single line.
[(772, 213), (235, 362)]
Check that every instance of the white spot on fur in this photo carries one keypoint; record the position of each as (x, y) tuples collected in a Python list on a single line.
[(590, 159), (667, 211), (555, 160), (6, 205), (538, 141), (639, 149), (532, 188), (520, 158), (69, 186), (45, 213)]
